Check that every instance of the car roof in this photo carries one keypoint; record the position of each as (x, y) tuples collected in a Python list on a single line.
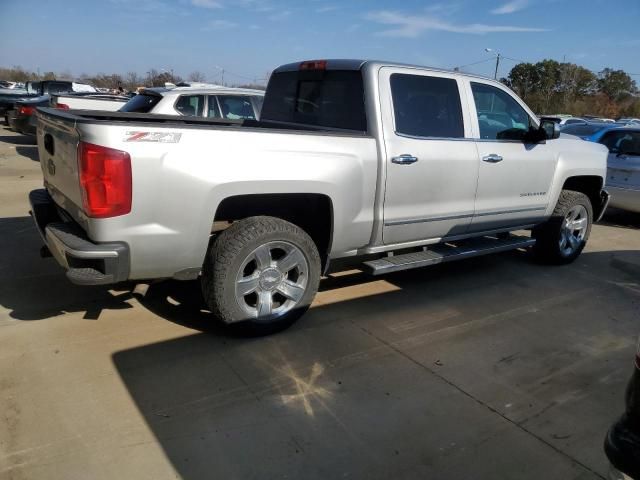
[(166, 92)]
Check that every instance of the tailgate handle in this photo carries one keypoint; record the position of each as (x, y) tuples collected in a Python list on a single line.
[(48, 144)]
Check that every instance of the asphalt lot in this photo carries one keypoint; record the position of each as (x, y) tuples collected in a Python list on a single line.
[(493, 368)]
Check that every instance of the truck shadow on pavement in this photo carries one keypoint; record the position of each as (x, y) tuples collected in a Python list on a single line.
[(18, 140), (374, 381), (431, 373), (29, 152), (32, 288), (621, 219)]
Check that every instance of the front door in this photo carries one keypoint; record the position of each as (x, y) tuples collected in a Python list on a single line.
[(431, 158), (623, 165), (514, 177)]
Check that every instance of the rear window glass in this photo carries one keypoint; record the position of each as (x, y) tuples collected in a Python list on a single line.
[(427, 106), (57, 87), (326, 98), (33, 87), (582, 130), (141, 103)]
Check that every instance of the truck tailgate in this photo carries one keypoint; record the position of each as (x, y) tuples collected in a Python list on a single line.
[(58, 150)]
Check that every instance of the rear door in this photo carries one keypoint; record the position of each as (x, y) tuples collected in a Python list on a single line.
[(431, 159), (623, 164), (514, 176)]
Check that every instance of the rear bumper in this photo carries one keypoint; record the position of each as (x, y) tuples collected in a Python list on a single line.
[(86, 262)]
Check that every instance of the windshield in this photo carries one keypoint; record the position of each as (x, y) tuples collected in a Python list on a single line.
[(582, 130), (142, 103), (327, 98)]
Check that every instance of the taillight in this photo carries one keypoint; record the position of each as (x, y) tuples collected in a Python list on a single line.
[(314, 65), (23, 110), (62, 106), (105, 180)]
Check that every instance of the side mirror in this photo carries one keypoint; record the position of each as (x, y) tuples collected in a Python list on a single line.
[(550, 128)]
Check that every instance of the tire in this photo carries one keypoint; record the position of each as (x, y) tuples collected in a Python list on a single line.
[(261, 275), (563, 237)]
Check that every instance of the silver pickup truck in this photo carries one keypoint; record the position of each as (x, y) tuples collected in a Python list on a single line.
[(393, 166)]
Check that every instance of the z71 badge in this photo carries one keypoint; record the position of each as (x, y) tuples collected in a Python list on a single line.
[(156, 137)]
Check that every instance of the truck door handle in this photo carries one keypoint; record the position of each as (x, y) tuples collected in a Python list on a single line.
[(493, 158), (404, 159)]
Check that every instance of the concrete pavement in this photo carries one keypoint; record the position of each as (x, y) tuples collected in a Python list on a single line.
[(493, 368)]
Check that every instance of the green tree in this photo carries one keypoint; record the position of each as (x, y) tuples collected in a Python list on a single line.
[(524, 79), (614, 83)]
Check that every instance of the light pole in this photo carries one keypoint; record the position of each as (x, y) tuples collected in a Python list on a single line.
[(490, 50), (217, 67)]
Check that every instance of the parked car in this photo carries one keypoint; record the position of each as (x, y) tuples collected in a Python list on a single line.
[(38, 89), (623, 166), (20, 117), (217, 102), (622, 443), (562, 121), (629, 121), (89, 101), (587, 131), (392, 166)]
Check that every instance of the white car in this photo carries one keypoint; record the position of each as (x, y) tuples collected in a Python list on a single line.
[(88, 101), (211, 102)]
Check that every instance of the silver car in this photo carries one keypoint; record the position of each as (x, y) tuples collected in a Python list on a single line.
[(623, 167), (212, 102)]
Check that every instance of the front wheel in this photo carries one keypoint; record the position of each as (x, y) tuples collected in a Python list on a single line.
[(563, 237), (261, 275)]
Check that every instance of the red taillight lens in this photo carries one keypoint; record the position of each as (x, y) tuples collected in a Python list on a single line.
[(62, 106), (105, 180), (314, 65), (26, 110)]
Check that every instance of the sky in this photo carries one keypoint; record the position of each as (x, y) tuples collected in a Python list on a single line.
[(249, 38)]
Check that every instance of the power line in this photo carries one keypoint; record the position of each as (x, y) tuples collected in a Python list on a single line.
[(473, 63)]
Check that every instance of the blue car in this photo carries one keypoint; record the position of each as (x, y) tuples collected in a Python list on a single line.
[(591, 131)]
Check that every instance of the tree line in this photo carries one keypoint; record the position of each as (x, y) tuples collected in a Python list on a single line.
[(548, 86), (551, 87), (129, 81)]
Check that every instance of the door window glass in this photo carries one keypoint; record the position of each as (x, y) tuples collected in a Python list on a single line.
[(235, 107), (426, 106), (622, 142), (192, 105), (500, 116)]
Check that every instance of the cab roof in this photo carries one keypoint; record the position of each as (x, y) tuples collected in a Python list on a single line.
[(359, 64)]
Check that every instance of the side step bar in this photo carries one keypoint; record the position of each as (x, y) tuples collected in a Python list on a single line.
[(447, 252)]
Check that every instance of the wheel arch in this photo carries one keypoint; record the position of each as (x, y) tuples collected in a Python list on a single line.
[(313, 212), (591, 186)]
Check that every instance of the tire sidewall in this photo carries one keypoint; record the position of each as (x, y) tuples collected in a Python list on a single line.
[(549, 235), (225, 296)]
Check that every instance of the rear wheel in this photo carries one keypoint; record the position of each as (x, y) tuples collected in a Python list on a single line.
[(563, 237), (261, 275)]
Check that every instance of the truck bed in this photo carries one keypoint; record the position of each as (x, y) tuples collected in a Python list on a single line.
[(130, 118)]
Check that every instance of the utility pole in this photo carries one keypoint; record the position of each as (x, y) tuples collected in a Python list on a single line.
[(489, 50)]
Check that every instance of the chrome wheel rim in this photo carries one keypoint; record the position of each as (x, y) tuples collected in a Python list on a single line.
[(574, 230), (271, 281)]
